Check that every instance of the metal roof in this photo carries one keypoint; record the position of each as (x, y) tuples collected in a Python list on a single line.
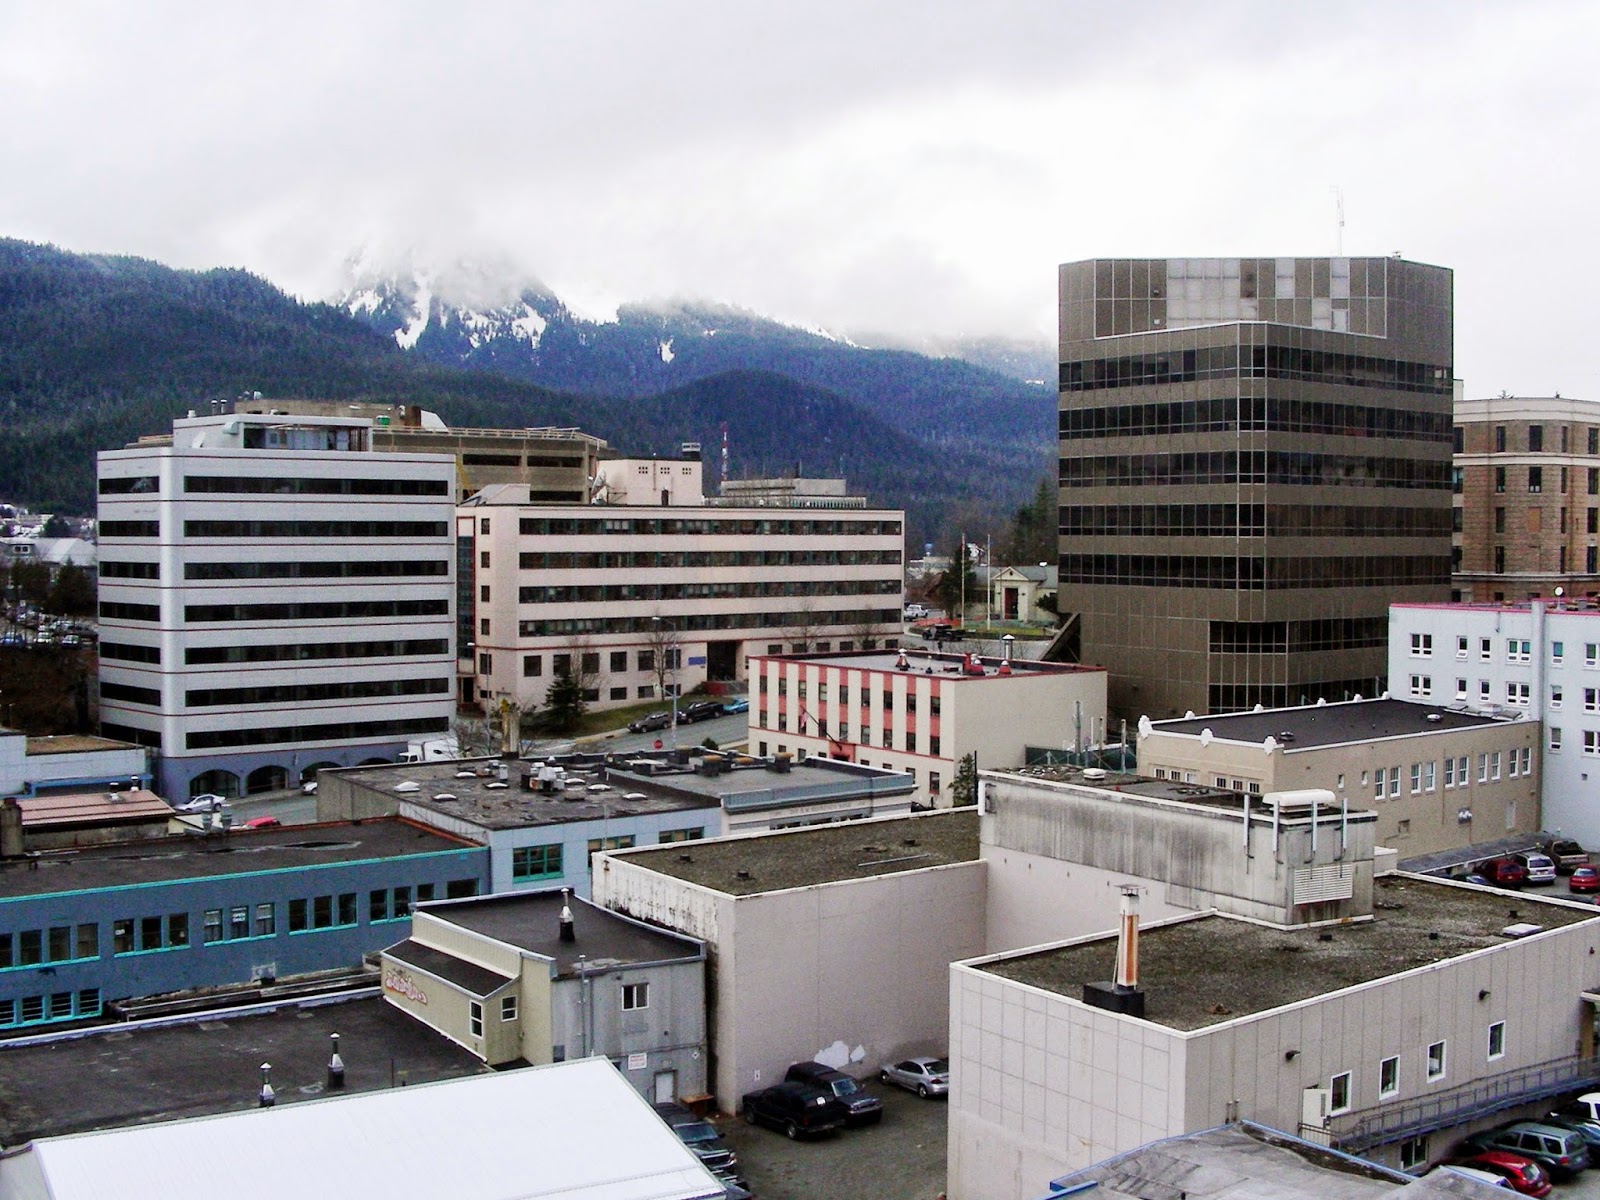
[(567, 1131)]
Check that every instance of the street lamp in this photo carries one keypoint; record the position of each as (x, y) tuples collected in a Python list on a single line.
[(664, 649)]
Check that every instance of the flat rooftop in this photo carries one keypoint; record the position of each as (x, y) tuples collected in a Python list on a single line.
[(74, 743), (531, 921), (1313, 726), (911, 661), (1245, 1162), (754, 784), (1201, 795), (771, 862), (1212, 969), (199, 856), (118, 1076), (483, 799)]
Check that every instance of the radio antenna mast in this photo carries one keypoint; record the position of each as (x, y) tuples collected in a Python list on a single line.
[(1338, 204)]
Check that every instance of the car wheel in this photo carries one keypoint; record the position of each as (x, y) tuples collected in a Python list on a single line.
[(791, 1131), (883, 1077), (749, 1116), (922, 1090)]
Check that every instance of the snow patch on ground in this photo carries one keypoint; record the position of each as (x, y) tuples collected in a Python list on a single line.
[(407, 338), (530, 326), (666, 351), (367, 301)]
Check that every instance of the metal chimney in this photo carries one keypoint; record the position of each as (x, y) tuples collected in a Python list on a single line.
[(568, 931), (266, 1098), (335, 1066), (1122, 994)]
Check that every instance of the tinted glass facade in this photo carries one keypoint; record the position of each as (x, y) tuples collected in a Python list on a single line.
[(1251, 449)]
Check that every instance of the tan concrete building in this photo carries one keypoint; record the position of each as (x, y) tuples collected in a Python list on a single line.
[(542, 976), (922, 712), (831, 943), (1527, 498), (1437, 778), (1390, 1037), (660, 592)]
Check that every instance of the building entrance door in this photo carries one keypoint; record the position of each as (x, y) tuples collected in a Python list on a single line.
[(666, 1086)]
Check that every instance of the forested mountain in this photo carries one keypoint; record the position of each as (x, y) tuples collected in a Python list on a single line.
[(97, 350)]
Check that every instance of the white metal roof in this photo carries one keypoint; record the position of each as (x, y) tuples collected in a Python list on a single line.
[(574, 1131)]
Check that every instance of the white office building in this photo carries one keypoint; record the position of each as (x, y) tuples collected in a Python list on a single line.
[(275, 596), (1539, 659)]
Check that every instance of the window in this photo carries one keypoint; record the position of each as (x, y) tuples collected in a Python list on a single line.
[(1394, 781), (532, 665), (535, 862), (1486, 648), (266, 920), (211, 923), (1558, 652), (1483, 691), (1499, 520), (1483, 768), (1536, 479), (1416, 778), (1339, 1093), (1555, 695), (635, 996), (402, 903), (1591, 742), (1591, 699), (681, 835), (589, 662), (1413, 1153), (1591, 652), (1436, 1061), (1499, 439), (1389, 1078), (1526, 754), (1500, 479), (508, 1008), (1422, 645), (1494, 765), (475, 1018), (1422, 685), (1535, 439), (238, 922), (1518, 650), (1518, 693), (1378, 781), (485, 663), (1497, 1040), (1555, 738), (619, 661), (1461, 689), (1461, 647)]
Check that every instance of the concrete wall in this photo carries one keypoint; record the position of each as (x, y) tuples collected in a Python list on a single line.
[(1191, 856), (668, 1034), (858, 963)]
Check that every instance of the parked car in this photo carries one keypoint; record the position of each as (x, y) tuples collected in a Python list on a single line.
[(700, 710), (1522, 1174), (1540, 867), (700, 1136), (1581, 1125), (1568, 854), (1584, 879), (798, 1109), (650, 721), (309, 788), (865, 1108), (1504, 872), (1561, 1152), (1478, 1173), (924, 1075), (916, 612), (738, 704), (204, 802), (262, 823)]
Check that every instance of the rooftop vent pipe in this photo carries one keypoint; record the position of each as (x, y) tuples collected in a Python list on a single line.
[(568, 930), (1122, 994)]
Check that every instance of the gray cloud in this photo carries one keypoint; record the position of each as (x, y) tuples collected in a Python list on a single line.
[(912, 167)]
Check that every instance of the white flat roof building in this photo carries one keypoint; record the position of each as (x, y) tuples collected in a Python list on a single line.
[(567, 1131), (1538, 660), (274, 597)]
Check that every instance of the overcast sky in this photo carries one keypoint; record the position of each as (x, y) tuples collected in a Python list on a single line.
[(863, 165)]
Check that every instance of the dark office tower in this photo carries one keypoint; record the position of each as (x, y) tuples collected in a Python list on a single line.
[(1255, 462)]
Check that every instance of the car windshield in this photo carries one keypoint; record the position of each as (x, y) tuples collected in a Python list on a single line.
[(938, 1067), (695, 1131), (845, 1087)]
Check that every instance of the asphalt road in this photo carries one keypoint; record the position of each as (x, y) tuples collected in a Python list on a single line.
[(902, 1158)]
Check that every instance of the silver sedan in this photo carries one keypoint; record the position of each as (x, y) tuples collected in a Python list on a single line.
[(923, 1075)]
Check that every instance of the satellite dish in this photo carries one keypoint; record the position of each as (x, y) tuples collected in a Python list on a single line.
[(1205, 737), (1270, 744), (1189, 715), (1145, 727)]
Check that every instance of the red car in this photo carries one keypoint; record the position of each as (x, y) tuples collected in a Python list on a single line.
[(1525, 1176), (1584, 879), (1504, 872), (262, 823)]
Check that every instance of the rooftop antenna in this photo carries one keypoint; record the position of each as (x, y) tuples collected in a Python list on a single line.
[(1338, 205)]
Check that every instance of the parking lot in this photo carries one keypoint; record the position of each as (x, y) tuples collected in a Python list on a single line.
[(901, 1158)]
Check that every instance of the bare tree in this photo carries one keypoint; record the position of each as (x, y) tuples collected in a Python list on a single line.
[(865, 635), (665, 647), (474, 736), (805, 626)]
